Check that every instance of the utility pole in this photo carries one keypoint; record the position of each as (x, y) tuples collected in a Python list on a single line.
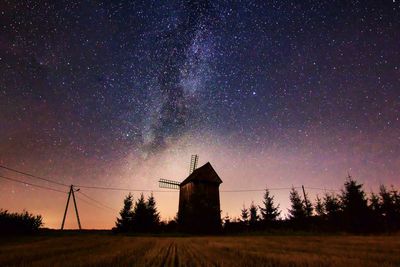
[(304, 194), (71, 192), (306, 203)]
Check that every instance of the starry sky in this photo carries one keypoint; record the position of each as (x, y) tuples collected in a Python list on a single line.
[(121, 93)]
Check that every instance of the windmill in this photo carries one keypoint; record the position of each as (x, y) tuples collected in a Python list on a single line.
[(199, 205)]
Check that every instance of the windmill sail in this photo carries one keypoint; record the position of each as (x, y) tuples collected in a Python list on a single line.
[(193, 163), (170, 184), (164, 183)]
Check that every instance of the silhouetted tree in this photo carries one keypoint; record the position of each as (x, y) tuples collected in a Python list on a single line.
[(332, 205), (124, 223), (226, 219), (354, 204), (308, 207), (319, 207), (296, 211), (375, 204), (140, 215), (389, 207), (333, 211), (396, 198), (269, 212), (226, 222), (244, 215), (253, 214), (19, 223), (153, 217), (375, 207)]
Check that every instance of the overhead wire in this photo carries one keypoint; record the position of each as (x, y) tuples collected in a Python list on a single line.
[(30, 184), (96, 201), (33, 176), (79, 198), (322, 189), (123, 189), (150, 190), (222, 191), (257, 190)]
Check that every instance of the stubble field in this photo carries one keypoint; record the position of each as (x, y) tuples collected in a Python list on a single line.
[(110, 250)]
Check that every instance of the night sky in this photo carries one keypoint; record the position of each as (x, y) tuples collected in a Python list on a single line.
[(274, 93)]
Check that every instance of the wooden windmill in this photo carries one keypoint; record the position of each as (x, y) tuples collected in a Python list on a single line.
[(199, 205)]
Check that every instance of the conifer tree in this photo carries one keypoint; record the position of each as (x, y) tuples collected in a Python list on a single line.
[(354, 204), (124, 223), (332, 206), (375, 208), (253, 214), (153, 219), (269, 212), (296, 211), (244, 215), (375, 204), (387, 202), (389, 207), (308, 207), (226, 219), (140, 215), (319, 207), (396, 198), (396, 215)]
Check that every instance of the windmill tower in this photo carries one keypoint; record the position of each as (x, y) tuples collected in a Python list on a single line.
[(199, 204)]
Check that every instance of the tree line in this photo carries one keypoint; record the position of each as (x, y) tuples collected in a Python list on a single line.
[(350, 210), (141, 216)]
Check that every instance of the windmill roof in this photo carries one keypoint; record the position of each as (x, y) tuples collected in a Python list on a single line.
[(205, 173)]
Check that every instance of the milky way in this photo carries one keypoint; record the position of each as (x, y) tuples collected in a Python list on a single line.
[(273, 93), (184, 52)]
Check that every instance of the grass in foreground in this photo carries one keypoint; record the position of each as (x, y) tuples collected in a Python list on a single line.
[(109, 250)]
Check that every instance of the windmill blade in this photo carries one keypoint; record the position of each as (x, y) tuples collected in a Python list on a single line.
[(164, 183), (193, 163)]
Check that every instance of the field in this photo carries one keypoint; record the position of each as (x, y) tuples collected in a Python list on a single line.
[(103, 249)]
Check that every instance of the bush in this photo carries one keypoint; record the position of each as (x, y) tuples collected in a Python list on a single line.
[(19, 223)]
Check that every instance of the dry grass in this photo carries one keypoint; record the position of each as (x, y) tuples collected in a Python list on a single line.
[(108, 250)]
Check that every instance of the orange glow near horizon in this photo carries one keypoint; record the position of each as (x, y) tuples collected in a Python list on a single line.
[(238, 168)]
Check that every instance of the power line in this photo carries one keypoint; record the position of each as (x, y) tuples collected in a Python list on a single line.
[(83, 186), (35, 185), (322, 189), (123, 189), (90, 203), (222, 191), (149, 190), (278, 188), (257, 190), (98, 202), (33, 176)]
